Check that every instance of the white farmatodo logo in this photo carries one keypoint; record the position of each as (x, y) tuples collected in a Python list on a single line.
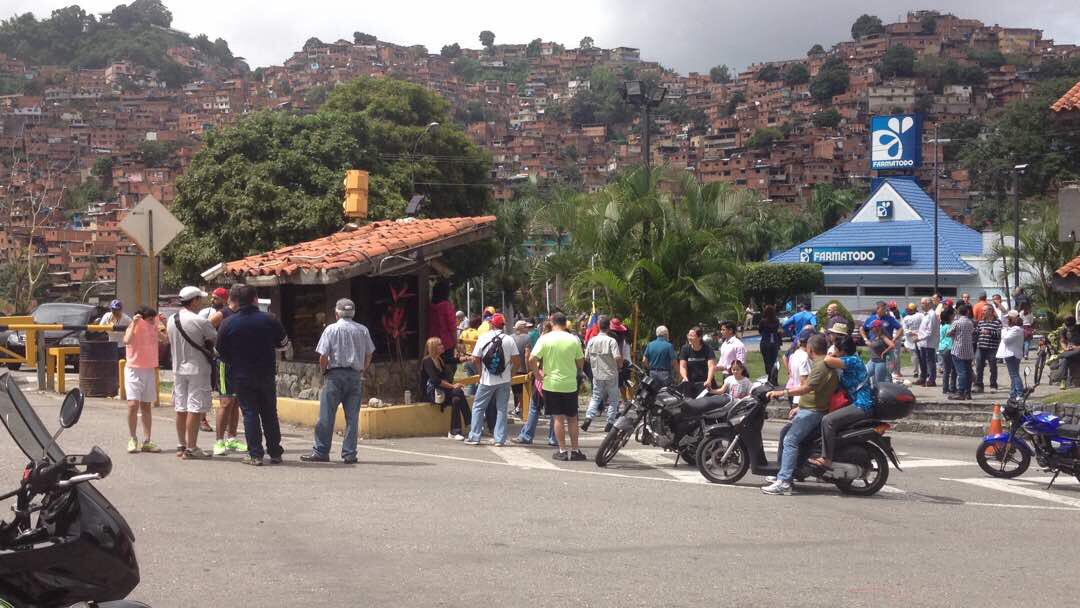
[(888, 144)]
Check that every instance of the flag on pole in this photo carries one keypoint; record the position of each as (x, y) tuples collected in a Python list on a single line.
[(593, 328)]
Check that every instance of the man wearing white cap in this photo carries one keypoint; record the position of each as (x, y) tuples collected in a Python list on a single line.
[(192, 340), (345, 349)]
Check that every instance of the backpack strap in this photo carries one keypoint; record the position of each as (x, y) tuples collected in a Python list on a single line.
[(187, 338)]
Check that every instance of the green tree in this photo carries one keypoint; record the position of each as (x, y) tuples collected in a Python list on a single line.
[(362, 38), (769, 73), (989, 59), (764, 137), (866, 25), (487, 38), (770, 283), (833, 79), (451, 51), (815, 50), (796, 74), (156, 153), (312, 43), (828, 119), (276, 178), (898, 62), (928, 23), (102, 167), (533, 48), (586, 43), (733, 102), (720, 74)]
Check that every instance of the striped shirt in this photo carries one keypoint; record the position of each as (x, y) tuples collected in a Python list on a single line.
[(963, 331), (988, 334)]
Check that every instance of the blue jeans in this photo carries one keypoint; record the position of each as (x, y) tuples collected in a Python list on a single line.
[(484, 395), (1016, 381), (470, 371), (529, 430), (604, 391), (878, 370), (805, 423), (344, 387), (963, 374)]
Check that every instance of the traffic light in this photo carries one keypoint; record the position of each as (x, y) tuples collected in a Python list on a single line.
[(356, 193)]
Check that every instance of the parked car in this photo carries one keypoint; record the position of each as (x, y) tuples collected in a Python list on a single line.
[(56, 313)]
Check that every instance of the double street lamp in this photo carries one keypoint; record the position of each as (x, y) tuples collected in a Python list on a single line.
[(646, 96)]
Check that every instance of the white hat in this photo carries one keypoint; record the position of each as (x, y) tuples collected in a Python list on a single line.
[(191, 292)]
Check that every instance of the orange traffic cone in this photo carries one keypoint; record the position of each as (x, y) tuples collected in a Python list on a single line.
[(995, 428)]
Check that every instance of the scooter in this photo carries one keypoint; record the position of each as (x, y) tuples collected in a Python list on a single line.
[(79, 551), (734, 446)]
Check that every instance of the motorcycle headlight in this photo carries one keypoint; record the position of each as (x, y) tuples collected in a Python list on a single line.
[(69, 341)]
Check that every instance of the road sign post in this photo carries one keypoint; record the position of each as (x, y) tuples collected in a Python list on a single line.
[(152, 227)]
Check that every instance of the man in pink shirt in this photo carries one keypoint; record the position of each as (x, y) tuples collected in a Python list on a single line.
[(731, 348), (142, 337)]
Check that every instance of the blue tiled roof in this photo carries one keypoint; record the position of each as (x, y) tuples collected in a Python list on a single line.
[(955, 239)]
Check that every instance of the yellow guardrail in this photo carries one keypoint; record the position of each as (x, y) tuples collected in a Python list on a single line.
[(32, 330)]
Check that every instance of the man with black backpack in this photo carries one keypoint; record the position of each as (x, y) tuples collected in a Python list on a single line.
[(496, 355)]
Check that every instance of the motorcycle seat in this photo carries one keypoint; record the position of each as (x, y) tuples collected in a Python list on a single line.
[(707, 406), (1069, 430), (865, 423)]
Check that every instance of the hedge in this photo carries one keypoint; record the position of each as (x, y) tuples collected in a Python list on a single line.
[(770, 283)]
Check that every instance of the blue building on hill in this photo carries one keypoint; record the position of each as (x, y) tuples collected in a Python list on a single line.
[(886, 251)]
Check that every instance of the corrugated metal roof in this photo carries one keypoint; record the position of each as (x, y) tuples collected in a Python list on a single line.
[(955, 239)]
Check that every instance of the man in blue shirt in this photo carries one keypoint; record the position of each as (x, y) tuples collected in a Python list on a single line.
[(659, 357), (889, 323), (799, 320), (248, 343)]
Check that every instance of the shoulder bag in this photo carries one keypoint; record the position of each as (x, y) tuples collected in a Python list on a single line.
[(215, 363)]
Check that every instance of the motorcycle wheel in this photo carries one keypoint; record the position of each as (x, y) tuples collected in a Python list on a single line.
[(613, 442), (1002, 459), (876, 471), (708, 458)]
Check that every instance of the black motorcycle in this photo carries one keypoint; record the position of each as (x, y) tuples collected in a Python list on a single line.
[(733, 446), (665, 417), (79, 550)]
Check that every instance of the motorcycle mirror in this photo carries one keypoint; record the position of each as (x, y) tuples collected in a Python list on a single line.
[(71, 409), (1027, 371)]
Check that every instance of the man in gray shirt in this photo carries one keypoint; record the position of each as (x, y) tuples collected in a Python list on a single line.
[(345, 349), (605, 360)]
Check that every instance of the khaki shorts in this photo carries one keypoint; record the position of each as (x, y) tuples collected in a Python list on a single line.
[(191, 394), (140, 384)]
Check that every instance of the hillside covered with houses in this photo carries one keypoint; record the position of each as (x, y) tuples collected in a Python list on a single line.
[(82, 141)]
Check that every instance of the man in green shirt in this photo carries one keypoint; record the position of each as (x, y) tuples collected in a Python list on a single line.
[(557, 358), (806, 417)]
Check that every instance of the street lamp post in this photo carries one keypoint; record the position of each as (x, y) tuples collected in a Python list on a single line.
[(412, 154), (1018, 170), (937, 204), (639, 93)]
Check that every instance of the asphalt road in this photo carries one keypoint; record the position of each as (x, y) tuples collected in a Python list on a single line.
[(431, 522)]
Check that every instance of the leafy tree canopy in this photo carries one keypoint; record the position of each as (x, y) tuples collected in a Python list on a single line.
[(487, 38), (720, 74), (275, 178), (451, 51), (832, 79), (586, 43), (817, 49), (533, 48), (362, 38), (866, 25), (796, 73), (769, 73), (829, 118), (769, 283), (898, 62)]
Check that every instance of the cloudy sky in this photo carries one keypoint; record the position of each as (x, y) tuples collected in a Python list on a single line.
[(688, 35)]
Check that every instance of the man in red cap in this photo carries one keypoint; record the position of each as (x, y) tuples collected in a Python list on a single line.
[(228, 414), (496, 356)]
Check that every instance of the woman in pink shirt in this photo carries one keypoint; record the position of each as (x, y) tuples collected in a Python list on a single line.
[(442, 324), (142, 338)]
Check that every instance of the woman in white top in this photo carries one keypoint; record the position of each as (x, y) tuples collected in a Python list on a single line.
[(1011, 349)]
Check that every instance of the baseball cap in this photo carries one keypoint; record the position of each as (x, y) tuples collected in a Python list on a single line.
[(617, 326), (876, 324), (116, 304), (805, 334), (345, 305), (221, 293), (498, 321), (948, 302), (911, 306), (191, 292), (520, 324), (489, 310)]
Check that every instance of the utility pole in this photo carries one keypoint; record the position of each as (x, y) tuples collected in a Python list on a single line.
[(1018, 170)]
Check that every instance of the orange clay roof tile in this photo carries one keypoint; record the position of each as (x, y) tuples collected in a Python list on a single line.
[(1069, 101)]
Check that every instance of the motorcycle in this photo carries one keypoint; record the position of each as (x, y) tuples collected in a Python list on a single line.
[(79, 551), (1055, 446), (733, 446), (664, 417)]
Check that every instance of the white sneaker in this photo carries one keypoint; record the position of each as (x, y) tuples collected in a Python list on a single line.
[(458, 437), (449, 435), (780, 488), (771, 479)]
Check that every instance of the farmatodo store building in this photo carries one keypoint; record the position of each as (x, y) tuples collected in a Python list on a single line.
[(886, 250)]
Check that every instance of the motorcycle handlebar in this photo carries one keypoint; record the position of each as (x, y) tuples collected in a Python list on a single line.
[(79, 479)]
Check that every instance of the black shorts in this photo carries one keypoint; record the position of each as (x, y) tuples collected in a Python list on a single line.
[(560, 404)]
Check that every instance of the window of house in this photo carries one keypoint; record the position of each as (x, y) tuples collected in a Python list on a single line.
[(929, 291), (884, 291), (841, 290)]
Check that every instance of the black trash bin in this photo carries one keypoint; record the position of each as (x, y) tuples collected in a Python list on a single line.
[(98, 361)]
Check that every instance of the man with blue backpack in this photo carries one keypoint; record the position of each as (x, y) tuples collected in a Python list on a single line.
[(496, 356)]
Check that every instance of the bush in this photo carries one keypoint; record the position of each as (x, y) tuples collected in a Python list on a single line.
[(822, 317), (768, 283)]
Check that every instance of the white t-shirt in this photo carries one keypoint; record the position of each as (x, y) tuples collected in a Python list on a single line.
[(509, 351), (602, 351), (110, 318), (911, 324), (738, 388), (798, 366)]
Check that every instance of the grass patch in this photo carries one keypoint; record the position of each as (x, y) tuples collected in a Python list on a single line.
[(1071, 396)]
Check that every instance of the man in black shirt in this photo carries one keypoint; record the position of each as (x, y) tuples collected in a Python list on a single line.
[(248, 343)]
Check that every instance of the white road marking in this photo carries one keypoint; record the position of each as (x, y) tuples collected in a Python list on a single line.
[(926, 463), (1020, 488), (1063, 480), (892, 490), (663, 462), (523, 457)]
